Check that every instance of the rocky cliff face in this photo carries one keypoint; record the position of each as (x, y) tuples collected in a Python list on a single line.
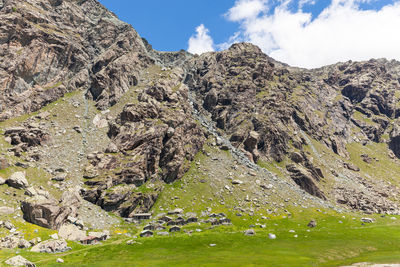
[(49, 48), (270, 110), (138, 117)]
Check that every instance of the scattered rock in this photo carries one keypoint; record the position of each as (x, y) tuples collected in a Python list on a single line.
[(59, 260), (367, 220), (366, 158), (250, 232), (351, 167), (312, 224), (271, 236), (78, 129)]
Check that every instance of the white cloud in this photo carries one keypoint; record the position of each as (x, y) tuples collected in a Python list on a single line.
[(246, 9), (201, 42), (342, 31)]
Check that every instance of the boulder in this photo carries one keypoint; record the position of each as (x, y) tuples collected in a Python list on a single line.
[(10, 242), (99, 122), (71, 232), (19, 261), (22, 243), (250, 145), (18, 180), (2, 181), (51, 246), (48, 212)]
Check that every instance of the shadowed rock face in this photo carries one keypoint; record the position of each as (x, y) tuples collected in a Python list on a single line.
[(49, 48)]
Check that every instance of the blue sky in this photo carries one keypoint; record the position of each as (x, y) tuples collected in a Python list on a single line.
[(168, 24), (307, 33)]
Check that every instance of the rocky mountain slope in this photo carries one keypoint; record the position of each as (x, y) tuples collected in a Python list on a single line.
[(95, 121)]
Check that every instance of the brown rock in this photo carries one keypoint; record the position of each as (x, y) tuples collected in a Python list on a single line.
[(312, 224), (48, 212), (304, 179)]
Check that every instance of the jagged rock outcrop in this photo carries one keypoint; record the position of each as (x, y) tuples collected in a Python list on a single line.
[(157, 137), (49, 48), (269, 109)]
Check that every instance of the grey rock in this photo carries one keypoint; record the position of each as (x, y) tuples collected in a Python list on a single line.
[(367, 220), (250, 232), (71, 232), (19, 261), (271, 236), (24, 244), (51, 246)]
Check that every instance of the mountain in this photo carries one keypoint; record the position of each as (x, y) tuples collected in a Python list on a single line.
[(98, 127)]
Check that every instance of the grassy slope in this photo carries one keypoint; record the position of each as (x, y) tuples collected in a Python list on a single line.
[(330, 244)]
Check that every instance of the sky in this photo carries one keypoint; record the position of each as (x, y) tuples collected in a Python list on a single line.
[(303, 33)]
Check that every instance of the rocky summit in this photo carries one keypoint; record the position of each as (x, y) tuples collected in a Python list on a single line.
[(108, 142)]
